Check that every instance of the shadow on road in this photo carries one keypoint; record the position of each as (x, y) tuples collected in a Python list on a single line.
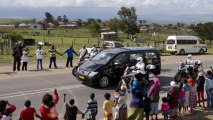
[(8, 73), (36, 70)]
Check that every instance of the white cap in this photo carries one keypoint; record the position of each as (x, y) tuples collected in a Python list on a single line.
[(151, 76), (189, 55), (173, 83), (140, 59)]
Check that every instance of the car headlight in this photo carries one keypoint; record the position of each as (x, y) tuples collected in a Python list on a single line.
[(93, 74)]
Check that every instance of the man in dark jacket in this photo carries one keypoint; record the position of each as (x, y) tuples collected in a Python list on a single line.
[(16, 57)]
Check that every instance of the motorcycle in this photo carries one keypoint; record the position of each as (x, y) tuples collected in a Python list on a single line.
[(81, 61), (129, 75), (188, 71)]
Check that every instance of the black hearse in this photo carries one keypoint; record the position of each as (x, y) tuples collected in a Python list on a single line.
[(109, 65)]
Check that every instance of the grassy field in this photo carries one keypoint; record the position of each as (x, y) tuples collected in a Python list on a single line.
[(63, 38)]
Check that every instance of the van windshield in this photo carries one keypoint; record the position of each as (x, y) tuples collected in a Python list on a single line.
[(103, 57), (170, 41)]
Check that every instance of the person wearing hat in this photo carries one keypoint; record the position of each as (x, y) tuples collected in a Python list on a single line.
[(189, 61), (28, 112), (140, 66), (173, 95)]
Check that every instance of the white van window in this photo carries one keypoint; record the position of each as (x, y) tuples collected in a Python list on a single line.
[(186, 41), (170, 41)]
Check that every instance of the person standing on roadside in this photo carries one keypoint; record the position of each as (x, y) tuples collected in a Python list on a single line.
[(209, 88), (92, 108), (82, 53), (45, 108), (172, 96), (154, 94), (39, 56), (29, 112), (16, 57), (53, 52), (200, 88), (25, 59), (107, 107), (69, 53)]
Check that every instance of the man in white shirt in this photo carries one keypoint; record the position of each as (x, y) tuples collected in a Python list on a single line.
[(189, 61), (39, 56), (140, 66), (83, 52)]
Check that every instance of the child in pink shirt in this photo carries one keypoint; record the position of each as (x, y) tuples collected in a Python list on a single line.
[(182, 95), (165, 108)]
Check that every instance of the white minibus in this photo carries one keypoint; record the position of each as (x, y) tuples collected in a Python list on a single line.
[(185, 44)]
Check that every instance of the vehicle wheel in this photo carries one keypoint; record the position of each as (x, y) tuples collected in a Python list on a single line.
[(172, 53), (201, 51), (104, 81), (74, 71), (182, 52)]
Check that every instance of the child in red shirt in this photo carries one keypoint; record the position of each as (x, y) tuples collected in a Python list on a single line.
[(29, 112)]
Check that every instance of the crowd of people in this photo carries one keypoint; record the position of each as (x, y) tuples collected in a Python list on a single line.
[(182, 96), (21, 55)]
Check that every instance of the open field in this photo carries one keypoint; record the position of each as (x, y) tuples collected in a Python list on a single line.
[(63, 38)]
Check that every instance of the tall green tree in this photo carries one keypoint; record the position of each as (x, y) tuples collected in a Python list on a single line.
[(128, 19), (65, 19), (49, 17), (113, 24), (94, 28), (59, 19), (205, 31)]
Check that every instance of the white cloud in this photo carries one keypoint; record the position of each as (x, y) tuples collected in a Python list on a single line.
[(196, 6)]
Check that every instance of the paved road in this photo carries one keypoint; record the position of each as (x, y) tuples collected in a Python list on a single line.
[(20, 86)]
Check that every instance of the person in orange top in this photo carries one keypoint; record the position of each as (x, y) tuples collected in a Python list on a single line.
[(107, 107), (191, 81), (192, 93)]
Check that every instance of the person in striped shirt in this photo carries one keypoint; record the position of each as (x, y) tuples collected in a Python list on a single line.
[(92, 108)]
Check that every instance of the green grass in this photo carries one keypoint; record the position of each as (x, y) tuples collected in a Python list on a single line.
[(63, 38)]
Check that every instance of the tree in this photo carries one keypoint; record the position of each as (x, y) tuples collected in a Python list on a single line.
[(11, 38), (94, 28), (59, 19), (48, 17), (205, 31), (128, 19), (79, 23), (113, 24), (65, 19)]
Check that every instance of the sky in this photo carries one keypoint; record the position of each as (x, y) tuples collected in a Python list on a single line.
[(102, 9)]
